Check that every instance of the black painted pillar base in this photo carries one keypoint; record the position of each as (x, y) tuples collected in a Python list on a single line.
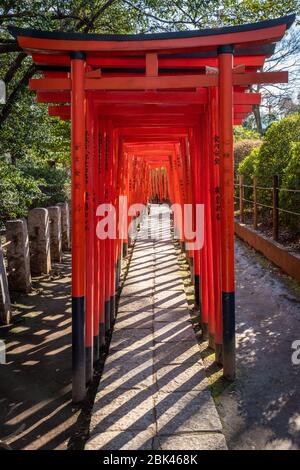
[(211, 341), (107, 315), (228, 312), (197, 291), (182, 246), (78, 349), (204, 331), (191, 263), (118, 273), (101, 336), (89, 361), (125, 249), (96, 348), (219, 354), (112, 309)]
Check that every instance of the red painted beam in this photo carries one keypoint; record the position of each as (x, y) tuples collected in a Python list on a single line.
[(168, 82), (262, 77), (148, 83)]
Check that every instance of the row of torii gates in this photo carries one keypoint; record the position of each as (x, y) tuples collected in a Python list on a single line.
[(152, 117)]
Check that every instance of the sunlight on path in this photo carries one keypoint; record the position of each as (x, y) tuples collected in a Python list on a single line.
[(153, 393)]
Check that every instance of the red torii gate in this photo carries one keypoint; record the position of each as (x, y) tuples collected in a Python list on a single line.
[(139, 103)]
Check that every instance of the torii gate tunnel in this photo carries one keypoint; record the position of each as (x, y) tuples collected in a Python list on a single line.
[(152, 118)]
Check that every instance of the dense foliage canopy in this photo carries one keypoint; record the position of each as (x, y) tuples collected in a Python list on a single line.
[(29, 139)]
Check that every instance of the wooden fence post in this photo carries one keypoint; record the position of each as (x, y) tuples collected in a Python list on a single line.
[(275, 208), (254, 203), (241, 194)]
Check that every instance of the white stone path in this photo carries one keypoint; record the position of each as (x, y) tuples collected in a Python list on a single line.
[(153, 393)]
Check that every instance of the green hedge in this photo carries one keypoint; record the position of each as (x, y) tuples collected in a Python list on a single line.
[(279, 155)]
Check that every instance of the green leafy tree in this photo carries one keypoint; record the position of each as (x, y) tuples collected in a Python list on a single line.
[(18, 192)]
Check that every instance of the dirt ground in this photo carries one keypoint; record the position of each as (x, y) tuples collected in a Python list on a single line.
[(260, 410), (35, 386)]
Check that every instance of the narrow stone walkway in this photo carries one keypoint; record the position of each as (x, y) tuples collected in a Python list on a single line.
[(153, 393)]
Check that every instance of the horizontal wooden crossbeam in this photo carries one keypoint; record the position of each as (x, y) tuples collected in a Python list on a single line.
[(157, 83), (148, 97)]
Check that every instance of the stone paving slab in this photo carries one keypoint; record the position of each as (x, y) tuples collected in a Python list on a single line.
[(137, 290), (168, 285), (135, 304), (173, 332), (123, 410), (138, 356), (171, 315), (134, 320), (132, 339), (127, 375), (177, 353), (153, 393), (121, 440), (186, 412), (165, 277), (180, 377), (191, 441), (170, 301)]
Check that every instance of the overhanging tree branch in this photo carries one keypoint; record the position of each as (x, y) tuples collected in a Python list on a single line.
[(14, 67), (90, 23), (14, 94), (9, 47)]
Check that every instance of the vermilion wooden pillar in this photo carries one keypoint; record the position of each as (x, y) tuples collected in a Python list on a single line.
[(101, 243), (78, 110), (107, 243), (195, 177), (97, 283), (90, 237), (225, 60), (215, 204)]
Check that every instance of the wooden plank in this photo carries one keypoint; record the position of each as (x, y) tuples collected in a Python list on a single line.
[(50, 84), (261, 77), (151, 65), (151, 83), (156, 83)]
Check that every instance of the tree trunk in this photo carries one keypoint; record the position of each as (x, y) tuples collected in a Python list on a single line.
[(257, 116)]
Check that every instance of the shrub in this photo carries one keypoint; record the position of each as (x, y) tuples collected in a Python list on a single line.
[(242, 149), (279, 154), (275, 151), (241, 133), (248, 166), (291, 180)]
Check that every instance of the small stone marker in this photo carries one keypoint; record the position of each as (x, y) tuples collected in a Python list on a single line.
[(5, 307), (65, 225), (39, 241), (19, 277), (55, 233)]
